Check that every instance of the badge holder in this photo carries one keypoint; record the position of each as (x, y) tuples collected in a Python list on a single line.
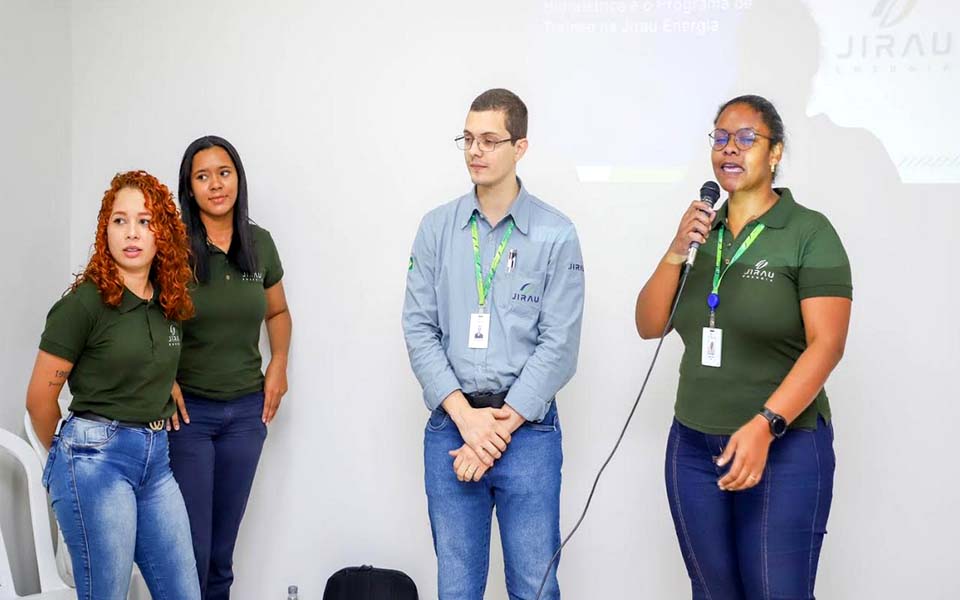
[(479, 334), (711, 347)]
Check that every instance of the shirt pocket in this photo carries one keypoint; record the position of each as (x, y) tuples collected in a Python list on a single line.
[(521, 292)]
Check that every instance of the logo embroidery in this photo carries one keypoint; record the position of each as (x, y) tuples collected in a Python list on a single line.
[(759, 272), (174, 339), (528, 293), (255, 277)]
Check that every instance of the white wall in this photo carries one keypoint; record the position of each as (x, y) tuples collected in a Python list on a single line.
[(34, 230), (344, 114)]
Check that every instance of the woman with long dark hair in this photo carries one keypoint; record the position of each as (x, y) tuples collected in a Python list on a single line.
[(115, 338), (224, 400), (763, 318)]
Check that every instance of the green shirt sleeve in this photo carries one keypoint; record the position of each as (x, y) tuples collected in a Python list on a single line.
[(68, 327), (824, 266), (272, 268)]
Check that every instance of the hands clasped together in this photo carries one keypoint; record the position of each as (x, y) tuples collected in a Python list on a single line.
[(487, 433)]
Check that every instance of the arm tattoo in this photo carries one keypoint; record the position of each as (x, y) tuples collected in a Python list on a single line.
[(60, 377)]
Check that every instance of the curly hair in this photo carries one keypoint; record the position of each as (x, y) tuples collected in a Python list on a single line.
[(170, 270)]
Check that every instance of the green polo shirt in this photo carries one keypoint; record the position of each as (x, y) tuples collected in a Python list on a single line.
[(798, 255), (124, 358), (221, 343)]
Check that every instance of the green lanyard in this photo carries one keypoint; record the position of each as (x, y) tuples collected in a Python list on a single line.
[(484, 285), (713, 299)]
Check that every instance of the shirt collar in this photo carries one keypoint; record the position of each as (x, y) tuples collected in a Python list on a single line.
[(519, 211), (775, 218), (214, 249), (130, 301)]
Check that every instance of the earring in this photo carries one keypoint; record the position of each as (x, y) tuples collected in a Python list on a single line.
[(773, 167)]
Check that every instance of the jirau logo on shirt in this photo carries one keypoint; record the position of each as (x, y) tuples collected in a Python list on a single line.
[(174, 339), (528, 293), (255, 277), (759, 272)]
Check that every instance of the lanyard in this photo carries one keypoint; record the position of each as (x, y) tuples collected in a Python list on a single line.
[(713, 299), (484, 285)]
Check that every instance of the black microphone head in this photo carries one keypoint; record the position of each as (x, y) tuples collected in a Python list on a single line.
[(710, 192)]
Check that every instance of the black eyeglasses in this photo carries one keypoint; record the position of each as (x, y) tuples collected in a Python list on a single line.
[(465, 142), (743, 138)]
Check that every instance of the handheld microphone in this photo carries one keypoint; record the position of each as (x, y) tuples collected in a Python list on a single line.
[(709, 193)]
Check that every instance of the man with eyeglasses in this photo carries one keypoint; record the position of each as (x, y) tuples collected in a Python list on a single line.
[(492, 318)]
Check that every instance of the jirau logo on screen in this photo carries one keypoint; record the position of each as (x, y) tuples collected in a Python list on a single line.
[(905, 37)]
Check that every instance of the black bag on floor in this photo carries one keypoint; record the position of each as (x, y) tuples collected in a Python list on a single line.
[(368, 583)]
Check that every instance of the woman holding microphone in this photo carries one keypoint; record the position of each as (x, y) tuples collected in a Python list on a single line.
[(115, 337), (763, 318)]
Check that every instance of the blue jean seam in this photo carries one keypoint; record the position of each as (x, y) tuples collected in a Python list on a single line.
[(813, 527), (486, 564), (148, 450), (706, 441), (159, 593), (683, 523), (764, 528), (88, 571)]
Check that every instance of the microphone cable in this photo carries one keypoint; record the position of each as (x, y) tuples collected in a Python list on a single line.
[(653, 361)]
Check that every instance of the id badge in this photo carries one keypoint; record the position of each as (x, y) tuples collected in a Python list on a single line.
[(479, 330), (712, 347)]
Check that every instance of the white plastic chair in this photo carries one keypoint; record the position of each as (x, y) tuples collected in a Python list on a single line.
[(52, 587), (64, 564)]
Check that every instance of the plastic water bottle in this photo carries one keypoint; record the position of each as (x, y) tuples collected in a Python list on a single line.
[(292, 593)]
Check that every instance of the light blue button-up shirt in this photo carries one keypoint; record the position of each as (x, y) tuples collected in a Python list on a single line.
[(536, 307)]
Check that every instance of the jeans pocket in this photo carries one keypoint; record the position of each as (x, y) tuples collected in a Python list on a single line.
[(89, 434), (438, 421), (547, 425)]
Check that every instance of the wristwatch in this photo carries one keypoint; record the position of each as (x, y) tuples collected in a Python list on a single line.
[(778, 425)]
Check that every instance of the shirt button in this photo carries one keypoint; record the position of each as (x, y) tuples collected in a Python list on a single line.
[(228, 277), (726, 261)]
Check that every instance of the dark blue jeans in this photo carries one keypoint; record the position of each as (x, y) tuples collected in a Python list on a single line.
[(214, 459), (762, 543)]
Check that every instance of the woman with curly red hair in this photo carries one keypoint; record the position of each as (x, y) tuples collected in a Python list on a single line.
[(115, 338)]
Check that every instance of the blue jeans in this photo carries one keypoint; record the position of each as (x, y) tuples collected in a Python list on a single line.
[(214, 459), (524, 486), (761, 543), (117, 502)]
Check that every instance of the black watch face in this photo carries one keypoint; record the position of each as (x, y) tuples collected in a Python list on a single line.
[(778, 426)]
